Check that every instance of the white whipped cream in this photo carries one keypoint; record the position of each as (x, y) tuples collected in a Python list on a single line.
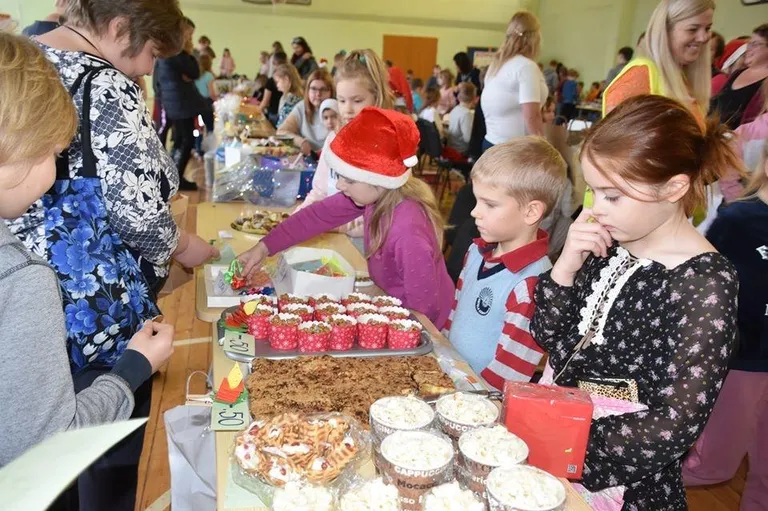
[(402, 412), (526, 488), (295, 497), (450, 497), (494, 446), (417, 450), (468, 409), (372, 496)]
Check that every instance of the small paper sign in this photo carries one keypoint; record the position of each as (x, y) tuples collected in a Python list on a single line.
[(232, 417), (239, 343)]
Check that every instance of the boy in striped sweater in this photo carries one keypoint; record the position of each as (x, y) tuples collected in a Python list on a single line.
[(516, 185)]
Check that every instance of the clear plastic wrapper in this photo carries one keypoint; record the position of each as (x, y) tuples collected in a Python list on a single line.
[(262, 179), (323, 450)]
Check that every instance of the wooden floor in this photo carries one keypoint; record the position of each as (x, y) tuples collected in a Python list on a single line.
[(193, 353)]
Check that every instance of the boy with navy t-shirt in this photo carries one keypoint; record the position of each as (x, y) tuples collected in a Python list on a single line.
[(516, 185)]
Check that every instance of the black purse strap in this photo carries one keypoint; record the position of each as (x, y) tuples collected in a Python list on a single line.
[(89, 159)]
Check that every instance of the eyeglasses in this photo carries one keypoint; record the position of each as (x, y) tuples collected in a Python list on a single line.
[(756, 44), (319, 90)]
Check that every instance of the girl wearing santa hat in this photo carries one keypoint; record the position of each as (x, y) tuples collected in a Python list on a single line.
[(372, 157)]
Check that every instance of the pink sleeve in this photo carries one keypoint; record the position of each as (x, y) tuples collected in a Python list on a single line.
[(316, 219), (416, 261), (756, 129)]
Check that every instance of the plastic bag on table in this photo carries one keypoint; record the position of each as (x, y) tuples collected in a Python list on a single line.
[(261, 462)]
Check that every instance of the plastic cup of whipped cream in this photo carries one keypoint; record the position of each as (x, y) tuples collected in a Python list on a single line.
[(415, 462), (460, 412), (483, 449), (524, 488)]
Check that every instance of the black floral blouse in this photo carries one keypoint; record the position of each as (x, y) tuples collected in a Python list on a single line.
[(672, 331)]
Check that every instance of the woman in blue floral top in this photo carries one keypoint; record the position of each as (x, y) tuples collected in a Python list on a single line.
[(106, 226), (640, 296)]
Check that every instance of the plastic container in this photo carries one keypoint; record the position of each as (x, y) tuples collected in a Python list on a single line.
[(275, 188), (524, 488)]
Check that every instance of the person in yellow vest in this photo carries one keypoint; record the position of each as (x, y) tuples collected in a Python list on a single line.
[(674, 58)]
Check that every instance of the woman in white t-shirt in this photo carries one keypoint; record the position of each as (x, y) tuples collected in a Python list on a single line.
[(515, 88)]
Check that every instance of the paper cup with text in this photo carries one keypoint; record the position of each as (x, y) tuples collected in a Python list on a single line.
[(484, 449), (398, 413), (415, 462), (284, 331), (343, 332), (460, 412), (258, 322), (524, 488)]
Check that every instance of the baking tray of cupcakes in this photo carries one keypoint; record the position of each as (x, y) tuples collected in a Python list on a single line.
[(357, 325)]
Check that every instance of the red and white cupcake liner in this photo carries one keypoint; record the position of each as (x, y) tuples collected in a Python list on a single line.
[(284, 337), (258, 322), (357, 309), (316, 300), (386, 301), (404, 339), (287, 298), (324, 311), (343, 336), (305, 312), (395, 312), (369, 336), (313, 341), (355, 298)]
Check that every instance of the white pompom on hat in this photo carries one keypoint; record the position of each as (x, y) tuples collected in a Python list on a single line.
[(377, 147)]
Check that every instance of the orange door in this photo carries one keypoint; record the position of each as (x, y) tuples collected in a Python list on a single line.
[(416, 53)]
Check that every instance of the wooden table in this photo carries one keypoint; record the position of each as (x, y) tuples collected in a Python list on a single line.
[(212, 218)]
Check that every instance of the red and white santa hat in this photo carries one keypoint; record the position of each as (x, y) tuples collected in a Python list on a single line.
[(377, 147)]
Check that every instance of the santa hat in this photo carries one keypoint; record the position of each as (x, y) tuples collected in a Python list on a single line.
[(377, 147), (734, 47)]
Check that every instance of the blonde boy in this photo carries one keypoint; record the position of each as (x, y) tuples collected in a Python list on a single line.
[(460, 124), (37, 120), (516, 185)]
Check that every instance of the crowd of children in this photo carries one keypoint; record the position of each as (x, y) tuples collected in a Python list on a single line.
[(636, 298)]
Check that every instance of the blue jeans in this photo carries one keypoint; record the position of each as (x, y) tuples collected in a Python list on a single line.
[(486, 145)]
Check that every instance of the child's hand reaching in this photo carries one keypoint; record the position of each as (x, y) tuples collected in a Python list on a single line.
[(252, 259), (584, 238)]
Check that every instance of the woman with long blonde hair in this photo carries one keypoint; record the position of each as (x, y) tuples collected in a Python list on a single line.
[(674, 60), (287, 81), (373, 156), (515, 87), (361, 81)]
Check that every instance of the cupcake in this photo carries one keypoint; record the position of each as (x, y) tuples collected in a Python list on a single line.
[(403, 334), (524, 488), (484, 449), (359, 308), (372, 331), (374, 495), (386, 301), (461, 411), (355, 298), (284, 331), (314, 336), (316, 300), (395, 312), (450, 497), (343, 332), (287, 298), (415, 462), (303, 310), (258, 298), (323, 311), (399, 413), (258, 321), (296, 496)]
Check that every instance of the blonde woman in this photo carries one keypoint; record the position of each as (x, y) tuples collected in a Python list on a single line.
[(361, 81), (674, 58), (515, 88), (304, 122), (373, 155), (288, 82)]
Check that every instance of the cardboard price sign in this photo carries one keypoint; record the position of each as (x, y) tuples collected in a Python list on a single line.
[(232, 417), (239, 343)]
